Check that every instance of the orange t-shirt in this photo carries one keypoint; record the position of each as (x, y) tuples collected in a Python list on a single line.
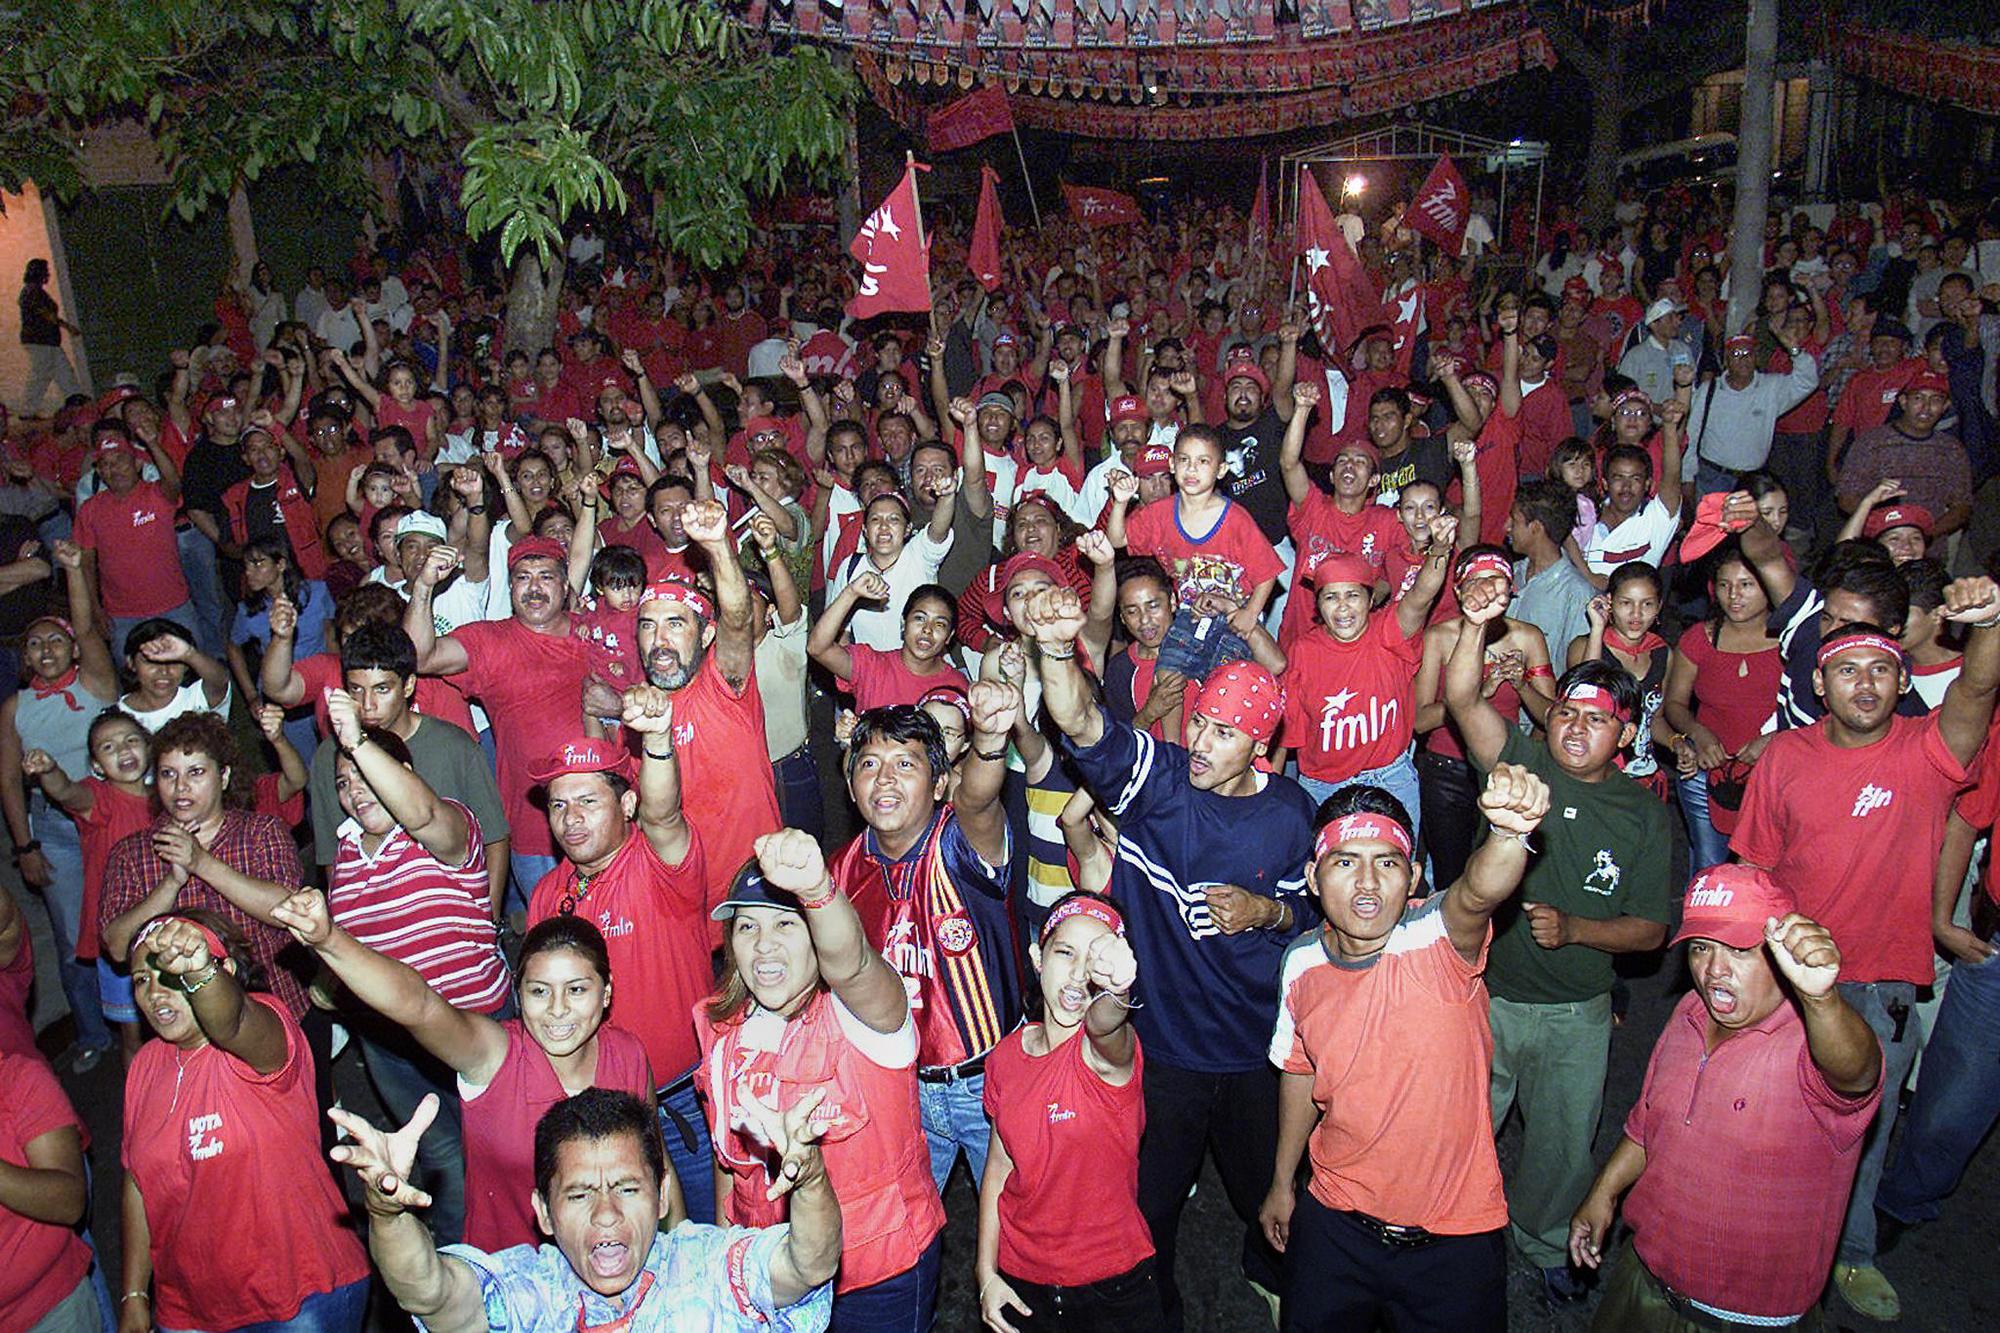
[(1399, 1053)]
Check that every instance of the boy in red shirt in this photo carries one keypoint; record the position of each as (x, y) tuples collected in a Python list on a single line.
[(131, 558)]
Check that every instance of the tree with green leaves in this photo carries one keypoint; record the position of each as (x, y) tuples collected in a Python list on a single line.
[(551, 107)]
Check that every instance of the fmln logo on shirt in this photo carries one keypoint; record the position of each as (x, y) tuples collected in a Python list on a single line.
[(1871, 799)]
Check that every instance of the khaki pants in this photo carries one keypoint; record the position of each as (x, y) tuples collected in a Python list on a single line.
[(1548, 1060), (1636, 1302)]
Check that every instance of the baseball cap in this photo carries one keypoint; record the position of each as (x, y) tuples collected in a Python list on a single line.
[(1663, 307), (1731, 903), (536, 548), (1883, 517), (585, 754), (1127, 408), (419, 523), (1927, 381), (1027, 562), (1742, 340), (756, 426), (1708, 529), (995, 398), (1008, 338), (1576, 286), (751, 889), (1341, 567), (1154, 460), (1243, 368)]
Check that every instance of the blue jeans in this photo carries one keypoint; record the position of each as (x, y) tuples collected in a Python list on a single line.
[(338, 1311), (121, 626), (212, 610), (1873, 1000), (403, 1073), (905, 1303), (1706, 847), (524, 873), (954, 1116), (1957, 1096), (799, 800), (1398, 777), (64, 896), (689, 1148)]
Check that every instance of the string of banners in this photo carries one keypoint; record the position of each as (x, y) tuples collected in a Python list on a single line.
[(1922, 66)]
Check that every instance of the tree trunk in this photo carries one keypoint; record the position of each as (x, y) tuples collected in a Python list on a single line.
[(1753, 164), (1607, 122), (531, 303)]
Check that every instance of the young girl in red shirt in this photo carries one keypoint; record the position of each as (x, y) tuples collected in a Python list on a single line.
[(879, 679), (1062, 1244)]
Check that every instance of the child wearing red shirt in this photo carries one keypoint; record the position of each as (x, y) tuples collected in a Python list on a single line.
[(877, 678), (1210, 545), (1061, 1240)]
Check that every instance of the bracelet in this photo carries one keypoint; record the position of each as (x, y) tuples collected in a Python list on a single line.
[(28, 848), (821, 899), (475, 509), (189, 985), (995, 757), (145, 1296), (651, 755), (1054, 656), (1117, 999), (1526, 846), (1980, 624)]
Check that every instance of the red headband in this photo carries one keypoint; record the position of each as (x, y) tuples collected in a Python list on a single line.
[(1487, 562), (1597, 697), (1360, 826), (1089, 907), (675, 590), (217, 950), (1847, 643)]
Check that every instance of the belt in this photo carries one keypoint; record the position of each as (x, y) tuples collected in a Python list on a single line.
[(1703, 1316), (1391, 1235), (953, 1073)]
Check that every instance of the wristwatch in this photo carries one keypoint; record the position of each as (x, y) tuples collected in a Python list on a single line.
[(475, 509)]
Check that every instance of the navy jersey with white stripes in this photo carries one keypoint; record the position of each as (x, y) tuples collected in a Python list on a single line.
[(1208, 997)]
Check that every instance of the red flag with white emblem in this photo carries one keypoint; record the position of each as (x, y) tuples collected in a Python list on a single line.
[(983, 258), (1442, 208), (1341, 299), (1098, 207), (895, 258)]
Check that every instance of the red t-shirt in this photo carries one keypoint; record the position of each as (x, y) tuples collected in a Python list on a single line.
[(532, 687), (1870, 395), (654, 918), (1980, 807), (1069, 1212), (641, 536), (138, 558), (220, 1150), (1232, 557), (611, 641), (416, 419), (727, 790), (1734, 696), (500, 1123), (40, 1262), (1320, 528), (1498, 473), (1545, 423), (435, 697), (879, 679), (1836, 827), (113, 814), (1349, 706), (17, 1033)]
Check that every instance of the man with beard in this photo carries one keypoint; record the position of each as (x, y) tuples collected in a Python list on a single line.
[(1849, 813), (527, 671), (1255, 412), (1130, 428), (702, 651)]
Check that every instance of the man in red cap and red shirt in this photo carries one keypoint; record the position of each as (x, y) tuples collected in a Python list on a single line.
[(1742, 1147), (1931, 466), (131, 556), (527, 671), (648, 895), (1210, 873), (1849, 813)]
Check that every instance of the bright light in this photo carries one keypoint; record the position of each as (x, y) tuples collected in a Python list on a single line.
[(1354, 184)]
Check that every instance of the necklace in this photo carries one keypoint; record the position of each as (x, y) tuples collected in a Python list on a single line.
[(623, 1321), (572, 900)]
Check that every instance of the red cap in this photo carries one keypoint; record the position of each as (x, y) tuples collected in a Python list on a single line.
[(1883, 517), (626, 466), (756, 426), (1243, 368), (1736, 340), (586, 754), (1928, 381), (679, 590), (1155, 460), (536, 548), (1245, 696), (1363, 446), (1340, 567), (1731, 903), (1708, 530), (1127, 408), (1027, 562), (1576, 286)]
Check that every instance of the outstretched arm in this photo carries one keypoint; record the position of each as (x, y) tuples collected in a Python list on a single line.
[(649, 714), (1514, 803), (1485, 731), (857, 973)]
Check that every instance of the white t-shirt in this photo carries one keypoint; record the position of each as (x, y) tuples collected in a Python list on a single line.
[(1644, 536), (917, 564)]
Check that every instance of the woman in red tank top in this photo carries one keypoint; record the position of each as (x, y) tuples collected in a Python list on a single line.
[(807, 1006), (511, 1071), (1062, 1243)]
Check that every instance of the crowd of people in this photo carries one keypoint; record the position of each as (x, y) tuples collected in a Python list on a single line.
[(724, 766)]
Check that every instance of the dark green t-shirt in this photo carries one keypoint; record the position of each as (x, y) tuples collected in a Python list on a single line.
[(1605, 850), (444, 756)]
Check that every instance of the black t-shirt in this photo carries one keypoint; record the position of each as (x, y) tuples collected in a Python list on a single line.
[(209, 470), (1255, 481), (1428, 458), (39, 325), (260, 514)]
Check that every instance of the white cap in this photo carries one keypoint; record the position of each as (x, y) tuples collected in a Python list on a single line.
[(1663, 307), (418, 522)]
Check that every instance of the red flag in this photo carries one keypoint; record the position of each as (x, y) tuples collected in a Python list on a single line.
[(1442, 208), (1340, 296), (1260, 211), (975, 116), (895, 259), (984, 256), (1405, 309), (1097, 207)]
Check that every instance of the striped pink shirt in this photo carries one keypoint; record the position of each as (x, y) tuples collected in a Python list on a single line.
[(403, 902)]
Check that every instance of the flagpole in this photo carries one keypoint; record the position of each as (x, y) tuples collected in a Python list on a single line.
[(1022, 158), (923, 246)]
